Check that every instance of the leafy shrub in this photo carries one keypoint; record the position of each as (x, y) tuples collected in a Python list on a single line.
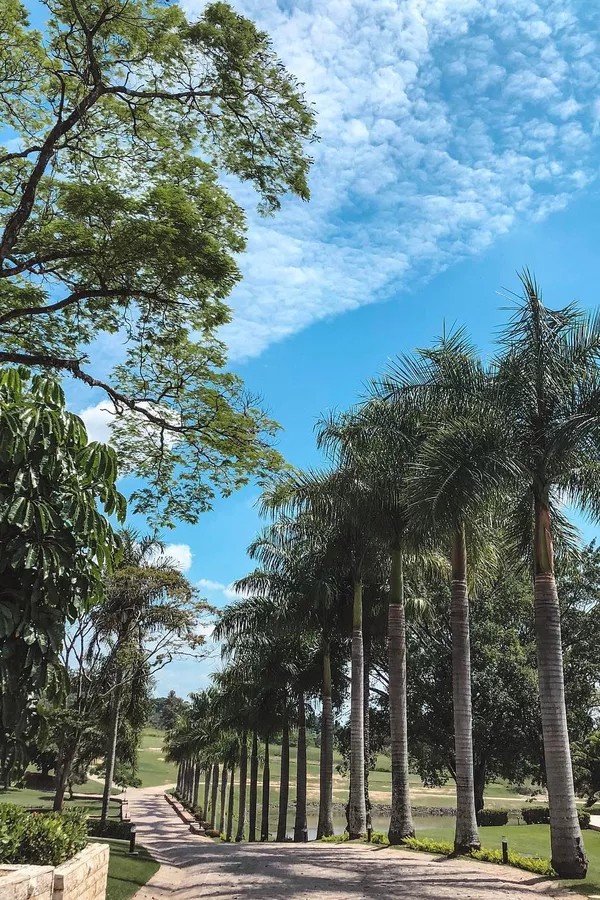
[(379, 837), (35, 839), (536, 815), (492, 817), (336, 838), (112, 828), (429, 846), (529, 863), (213, 833), (540, 815)]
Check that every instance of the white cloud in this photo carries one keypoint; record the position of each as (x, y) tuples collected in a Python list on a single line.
[(216, 587), (181, 554), (97, 420), (442, 123)]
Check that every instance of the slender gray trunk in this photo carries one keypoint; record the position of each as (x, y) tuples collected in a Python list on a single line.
[(207, 778), (266, 790), (466, 836), (223, 799), (357, 811), (568, 854), (196, 789), (253, 788), (401, 823), (231, 806), (214, 794), (325, 823), (111, 754), (300, 828), (284, 781), (242, 791)]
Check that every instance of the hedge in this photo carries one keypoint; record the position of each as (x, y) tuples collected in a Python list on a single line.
[(29, 838), (112, 828), (540, 815), (492, 817)]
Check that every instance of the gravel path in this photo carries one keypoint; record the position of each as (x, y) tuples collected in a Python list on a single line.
[(194, 867)]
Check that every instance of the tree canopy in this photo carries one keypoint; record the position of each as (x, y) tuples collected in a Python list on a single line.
[(117, 120)]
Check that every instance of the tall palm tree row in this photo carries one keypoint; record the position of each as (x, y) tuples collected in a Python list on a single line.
[(447, 467)]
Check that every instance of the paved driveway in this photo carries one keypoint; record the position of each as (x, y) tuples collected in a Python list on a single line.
[(195, 867)]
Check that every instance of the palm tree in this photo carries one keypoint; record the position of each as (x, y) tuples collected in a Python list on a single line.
[(340, 501), (549, 379), (449, 390), (381, 439), (146, 596)]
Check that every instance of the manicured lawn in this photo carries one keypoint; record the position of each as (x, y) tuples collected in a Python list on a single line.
[(152, 768), (37, 797), (531, 840), (127, 874)]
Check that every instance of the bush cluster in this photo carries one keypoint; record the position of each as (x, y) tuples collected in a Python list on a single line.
[(48, 839), (112, 828), (540, 815), (492, 817), (529, 863)]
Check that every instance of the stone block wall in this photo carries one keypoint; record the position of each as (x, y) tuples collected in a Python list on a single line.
[(81, 878)]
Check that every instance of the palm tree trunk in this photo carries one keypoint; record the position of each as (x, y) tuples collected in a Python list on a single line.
[(568, 854), (367, 719), (266, 789), (196, 791), (466, 836), (401, 823), (207, 777), (231, 806), (214, 793), (325, 823), (223, 798), (300, 827), (253, 788), (284, 781), (179, 774), (242, 791), (111, 754), (357, 812)]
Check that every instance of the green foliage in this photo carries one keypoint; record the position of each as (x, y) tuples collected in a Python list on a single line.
[(379, 837), (336, 838), (113, 221), (40, 839), (429, 846), (56, 544), (528, 863), (112, 828), (492, 817), (540, 815)]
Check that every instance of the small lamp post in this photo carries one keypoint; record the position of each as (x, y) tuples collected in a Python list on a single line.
[(504, 851), (132, 832)]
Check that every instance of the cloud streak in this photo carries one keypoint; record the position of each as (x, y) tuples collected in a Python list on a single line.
[(442, 123)]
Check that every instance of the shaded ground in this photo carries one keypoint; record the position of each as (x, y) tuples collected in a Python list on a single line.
[(195, 867)]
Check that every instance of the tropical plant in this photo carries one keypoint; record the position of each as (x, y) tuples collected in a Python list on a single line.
[(56, 544)]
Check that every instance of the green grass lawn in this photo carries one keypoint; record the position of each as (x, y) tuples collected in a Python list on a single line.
[(531, 840), (153, 770), (127, 874), (37, 797)]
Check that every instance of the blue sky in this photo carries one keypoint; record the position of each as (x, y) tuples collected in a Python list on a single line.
[(459, 142)]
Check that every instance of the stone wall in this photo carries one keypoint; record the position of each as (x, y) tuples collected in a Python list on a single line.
[(81, 878), (84, 876)]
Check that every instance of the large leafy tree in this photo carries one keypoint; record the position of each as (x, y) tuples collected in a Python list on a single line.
[(56, 544), (116, 121)]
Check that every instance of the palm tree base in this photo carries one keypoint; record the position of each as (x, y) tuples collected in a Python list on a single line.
[(572, 868), (463, 849), (398, 837)]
